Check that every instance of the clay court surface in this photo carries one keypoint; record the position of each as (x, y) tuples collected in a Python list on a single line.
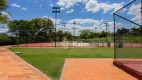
[(93, 69), (133, 64), (14, 68)]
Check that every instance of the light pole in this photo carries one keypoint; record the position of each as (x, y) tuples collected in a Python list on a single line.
[(107, 25), (74, 22), (95, 32), (64, 25), (56, 10)]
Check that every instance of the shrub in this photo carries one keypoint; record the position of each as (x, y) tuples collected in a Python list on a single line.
[(5, 39)]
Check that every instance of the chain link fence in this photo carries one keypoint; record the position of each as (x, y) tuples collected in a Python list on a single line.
[(31, 38), (128, 38)]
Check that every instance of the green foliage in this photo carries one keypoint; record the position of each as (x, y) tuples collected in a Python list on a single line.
[(130, 35), (3, 19), (5, 39), (61, 35), (133, 31), (136, 31), (88, 34), (35, 30), (84, 34), (3, 6), (102, 34), (141, 29), (123, 31), (68, 35)]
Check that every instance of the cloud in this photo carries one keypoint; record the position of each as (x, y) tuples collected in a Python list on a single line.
[(81, 25), (95, 23), (135, 10), (24, 9), (62, 8), (70, 11), (15, 5), (53, 19), (3, 29), (117, 6), (40, 5), (39, 1), (18, 6), (92, 5), (85, 21), (51, 5), (69, 27), (68, 3), (5, 14), (95, 6)]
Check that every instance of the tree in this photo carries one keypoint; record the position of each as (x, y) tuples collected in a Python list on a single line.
[(5, 39), (60, 35), (3, 6), (123, 31), (20, 29), (84, 34), (136, 31), (141, 29), (102, 34), (35, 30), (68, 35), (42, 28)]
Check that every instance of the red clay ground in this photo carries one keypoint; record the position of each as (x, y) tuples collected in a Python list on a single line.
[(14, 68), (93, 69)]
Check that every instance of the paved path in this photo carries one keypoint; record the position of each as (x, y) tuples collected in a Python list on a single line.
[(14, 68), (93, 69)]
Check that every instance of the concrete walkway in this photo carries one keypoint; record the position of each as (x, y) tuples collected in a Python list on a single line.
[(14, 68), (93, 69)]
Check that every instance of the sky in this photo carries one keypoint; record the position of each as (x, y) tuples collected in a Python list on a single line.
[(88, 14)]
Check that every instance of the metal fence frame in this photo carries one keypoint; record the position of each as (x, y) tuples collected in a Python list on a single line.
[(116, 62)]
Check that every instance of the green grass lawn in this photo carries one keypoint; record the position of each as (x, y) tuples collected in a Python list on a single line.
[(50, 61), (129, 53)]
